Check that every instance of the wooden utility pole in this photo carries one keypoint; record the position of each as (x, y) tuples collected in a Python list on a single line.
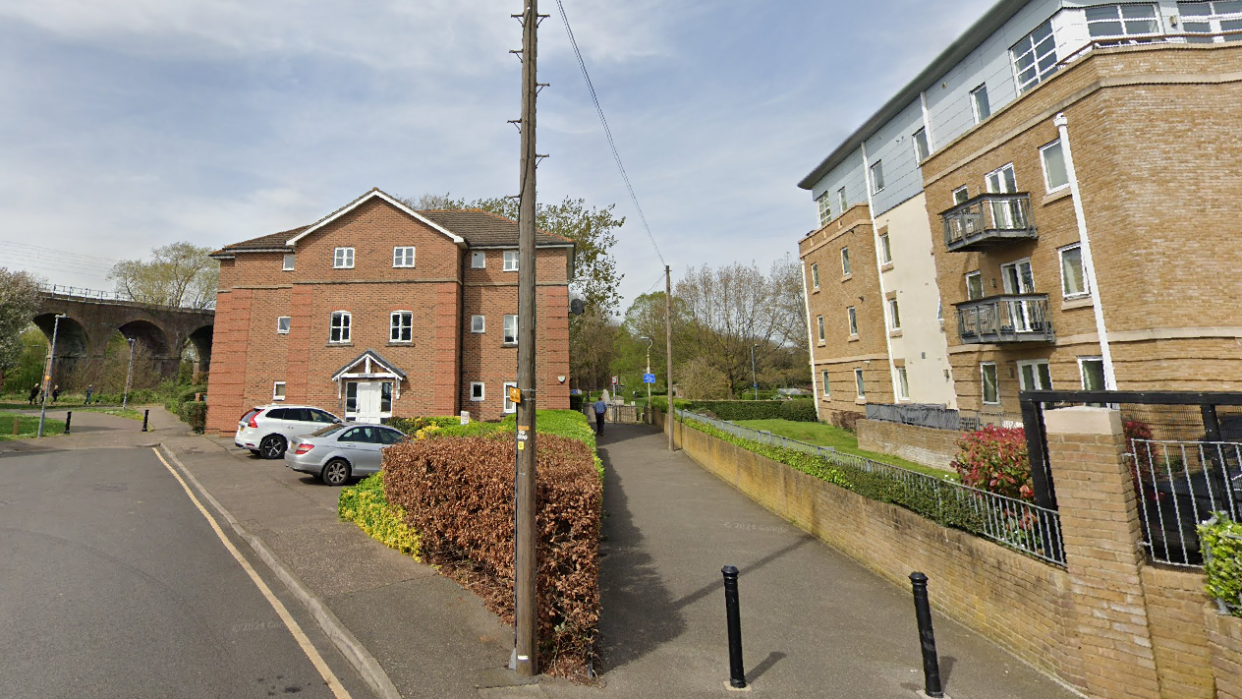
[(525, 613), (668, 338)]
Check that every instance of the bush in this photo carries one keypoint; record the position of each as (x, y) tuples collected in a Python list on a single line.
[(364, 504), (995, 459), (1222, 541), (458, 494), (411, 425), (799, 410), (575, 401), (194, 414)]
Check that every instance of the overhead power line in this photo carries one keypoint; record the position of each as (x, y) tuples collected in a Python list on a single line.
[(608, 132)]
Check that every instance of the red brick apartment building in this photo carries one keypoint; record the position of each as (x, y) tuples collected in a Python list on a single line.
[(378, 311)]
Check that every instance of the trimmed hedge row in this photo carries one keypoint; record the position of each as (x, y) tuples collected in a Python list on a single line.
[(458, 495), (192, 413), (797, 410)]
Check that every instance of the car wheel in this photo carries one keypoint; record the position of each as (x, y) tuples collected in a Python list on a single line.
[(272, 447), (335, 472)]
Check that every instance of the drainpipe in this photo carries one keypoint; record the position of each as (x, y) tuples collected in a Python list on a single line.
[(879, 268), (1088, 263), (810, 342)]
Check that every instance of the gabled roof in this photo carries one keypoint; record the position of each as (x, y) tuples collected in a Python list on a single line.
[(375, 193), (474, 228), (388, 367)]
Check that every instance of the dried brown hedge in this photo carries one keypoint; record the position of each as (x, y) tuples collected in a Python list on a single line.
[(458, 494)]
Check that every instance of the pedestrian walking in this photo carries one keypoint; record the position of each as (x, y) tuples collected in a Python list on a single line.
[(90, 391), (601, 409), (34, 393), (55, 392)]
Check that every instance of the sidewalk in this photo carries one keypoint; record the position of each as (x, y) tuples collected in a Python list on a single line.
[(99, 430)]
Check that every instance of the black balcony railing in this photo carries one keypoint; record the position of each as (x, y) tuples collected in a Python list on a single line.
[(1008, 318), (988, 220)]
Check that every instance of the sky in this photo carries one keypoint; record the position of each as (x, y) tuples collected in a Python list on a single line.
[(130, 124)]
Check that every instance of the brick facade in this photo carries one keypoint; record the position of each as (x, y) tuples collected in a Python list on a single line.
[(440, 292)]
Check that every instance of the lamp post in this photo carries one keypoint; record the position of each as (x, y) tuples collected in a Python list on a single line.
[(649, 343), (754, 376), (47, 373), (129, 375)]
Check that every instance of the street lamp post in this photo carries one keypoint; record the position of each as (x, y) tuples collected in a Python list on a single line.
[(129, 375), (649, 343), (754, 376), (47, 373)]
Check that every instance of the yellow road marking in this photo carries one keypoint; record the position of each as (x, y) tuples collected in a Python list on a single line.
[(290, 623)]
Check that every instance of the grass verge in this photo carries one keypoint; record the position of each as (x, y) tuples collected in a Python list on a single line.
[(28, 426), (841, 440)]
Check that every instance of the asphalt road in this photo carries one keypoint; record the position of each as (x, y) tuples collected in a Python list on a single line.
[(113, 584)]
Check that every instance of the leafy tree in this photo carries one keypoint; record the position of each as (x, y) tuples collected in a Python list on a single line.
[(591, 358), (180, 274), (19, 298)]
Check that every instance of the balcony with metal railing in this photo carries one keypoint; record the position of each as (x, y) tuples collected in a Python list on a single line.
[(1005, 319), (987, 221)]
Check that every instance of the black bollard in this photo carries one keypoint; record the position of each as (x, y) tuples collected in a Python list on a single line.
[(737, 673), (927, 637), (146, 415), (68, 419)]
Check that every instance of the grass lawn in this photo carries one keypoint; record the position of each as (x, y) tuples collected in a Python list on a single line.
[(839, 439), (27, 426)]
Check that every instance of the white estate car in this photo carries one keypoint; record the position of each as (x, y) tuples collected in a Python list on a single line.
[(267, 429)]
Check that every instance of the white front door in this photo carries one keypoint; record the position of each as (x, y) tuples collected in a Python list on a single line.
[(368, 402)]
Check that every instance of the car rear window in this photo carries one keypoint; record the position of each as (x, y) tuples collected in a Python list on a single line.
[(249, 414), (327, 431)]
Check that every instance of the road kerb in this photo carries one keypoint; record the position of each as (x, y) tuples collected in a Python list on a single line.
[(363, 662)]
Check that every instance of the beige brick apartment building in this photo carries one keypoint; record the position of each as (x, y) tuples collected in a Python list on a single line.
[(1075, 171), (377, 310)]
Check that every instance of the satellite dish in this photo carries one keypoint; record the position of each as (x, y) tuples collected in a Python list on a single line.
[(577, 307)]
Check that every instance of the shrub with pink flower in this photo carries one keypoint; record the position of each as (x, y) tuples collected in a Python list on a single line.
[(995, 459)]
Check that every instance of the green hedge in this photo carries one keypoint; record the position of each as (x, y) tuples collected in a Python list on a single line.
[(1222, 541), (800, 410), (365, 504), (192, 413)]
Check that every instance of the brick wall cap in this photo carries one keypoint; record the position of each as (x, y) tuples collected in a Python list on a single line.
[(1083, 421)]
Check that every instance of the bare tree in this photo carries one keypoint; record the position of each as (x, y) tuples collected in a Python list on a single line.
[(180, 274)]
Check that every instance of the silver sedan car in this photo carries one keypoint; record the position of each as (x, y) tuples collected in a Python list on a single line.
[(338, 453)]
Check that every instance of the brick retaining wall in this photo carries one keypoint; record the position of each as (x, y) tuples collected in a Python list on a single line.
[(922, 445)]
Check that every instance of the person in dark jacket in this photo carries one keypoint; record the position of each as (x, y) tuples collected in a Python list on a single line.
[(601, 409), (55, 393), (34, 393)]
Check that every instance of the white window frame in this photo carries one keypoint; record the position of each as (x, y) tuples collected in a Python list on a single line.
[(824, 202), (815, 275), (965, 192), (982, 291), (1082, 374), (903, 384), (478, 324), (482, 391), (509, 406), (1027, 46), (823, 375), (397, 326), (343, 258), (841, 200), (1213, 23), (278, 390), (977, 106), (894, 316), (288, 263), (511, 261), (346, 327), (877, 177), (851, 315), (399, 255), (983, 366), (886, 249), (514, 322), (1086, 283), (478, 260), (1035, 363), (283, 324), (860, 384), (922, 147), (819, 321), (1125, 37), (1043, 161), (846, 267)]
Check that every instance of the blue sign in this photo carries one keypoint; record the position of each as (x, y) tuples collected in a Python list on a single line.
[(648, 378)]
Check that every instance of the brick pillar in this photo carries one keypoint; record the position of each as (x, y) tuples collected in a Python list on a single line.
[(447, 374), (1100, 522), (226, 385)]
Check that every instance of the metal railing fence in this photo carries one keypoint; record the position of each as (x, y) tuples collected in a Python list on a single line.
[(99, 295), (1018, 524), (1179, 485)]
